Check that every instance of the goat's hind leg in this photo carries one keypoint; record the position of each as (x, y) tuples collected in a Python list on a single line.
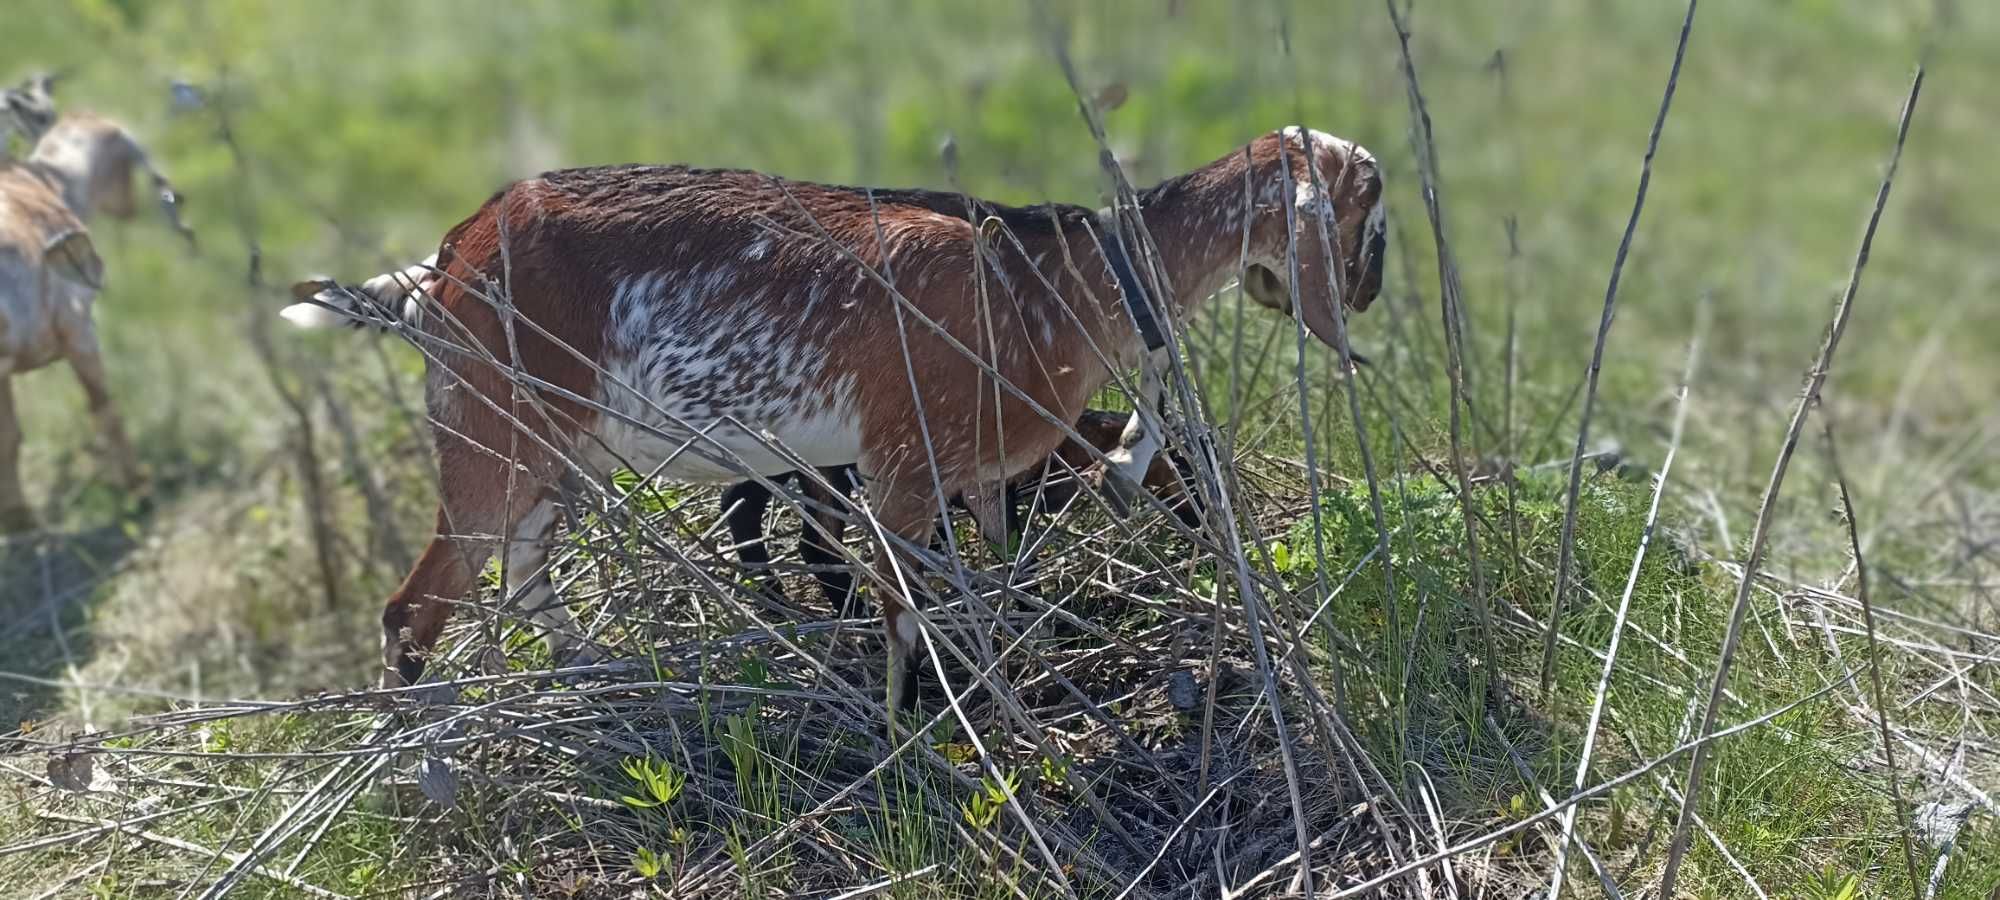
[(15, 514), (824, 531), (473, 518), (743, 508), (86, 358)]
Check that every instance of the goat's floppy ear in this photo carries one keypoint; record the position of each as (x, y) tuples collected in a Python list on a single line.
[(72, 256), (1267, 289)]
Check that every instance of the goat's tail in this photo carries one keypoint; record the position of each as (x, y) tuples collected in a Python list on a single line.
[(376, 303)]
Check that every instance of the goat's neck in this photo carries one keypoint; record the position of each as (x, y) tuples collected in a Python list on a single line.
[(1196, 222)]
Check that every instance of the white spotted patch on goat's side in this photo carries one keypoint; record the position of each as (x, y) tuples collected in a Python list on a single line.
[(708, 396), (758, 249)]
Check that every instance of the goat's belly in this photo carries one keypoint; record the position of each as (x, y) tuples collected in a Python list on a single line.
[(28, 338), (724, 450), (699, 435)]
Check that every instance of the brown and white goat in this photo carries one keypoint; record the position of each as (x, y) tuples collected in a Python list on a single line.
[(1051, 487), (703, 324), (50, 274)]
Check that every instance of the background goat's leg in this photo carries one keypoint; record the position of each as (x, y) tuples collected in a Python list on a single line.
[(15, 514), (88, 362)]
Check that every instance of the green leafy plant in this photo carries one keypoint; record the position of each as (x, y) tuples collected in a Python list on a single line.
[(649, 864), (1281, 556), (1055, 771), (658, 781), (982, 809), (1833, 885)]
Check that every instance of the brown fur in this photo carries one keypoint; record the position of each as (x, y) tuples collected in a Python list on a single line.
[(81, 165), (1044, 312)]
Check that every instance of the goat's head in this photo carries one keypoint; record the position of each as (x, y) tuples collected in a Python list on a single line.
[(30, 106), (110, 156), (1321, 197), (99, 159)]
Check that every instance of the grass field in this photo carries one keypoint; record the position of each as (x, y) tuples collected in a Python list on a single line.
[(184, 668)]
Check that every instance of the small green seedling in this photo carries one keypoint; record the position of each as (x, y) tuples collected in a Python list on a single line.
[(648, 864), (982, 809), (658, 781)]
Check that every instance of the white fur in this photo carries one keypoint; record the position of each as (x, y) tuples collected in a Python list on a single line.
[(402, 290), (1139, 444), (311, 315), (1314, 139), (1310, 198), (909, 632), (711, 394), (528, 585)]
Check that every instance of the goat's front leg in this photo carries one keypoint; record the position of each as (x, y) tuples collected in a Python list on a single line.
[(87, 361), (909, 514), (15, 514), (743, 507), (824, 531), (1124, 472)]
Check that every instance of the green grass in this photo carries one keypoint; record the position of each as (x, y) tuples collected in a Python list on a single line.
[(369, 128)]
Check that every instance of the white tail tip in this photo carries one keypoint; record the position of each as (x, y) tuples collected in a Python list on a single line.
[(310, 315)]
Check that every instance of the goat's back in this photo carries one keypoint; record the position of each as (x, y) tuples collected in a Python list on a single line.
[(735, 304), (36, 303)]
